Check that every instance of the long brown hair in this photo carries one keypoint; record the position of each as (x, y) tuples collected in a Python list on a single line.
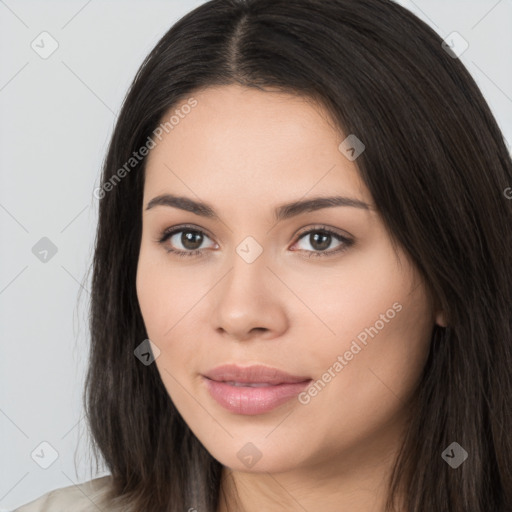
[(437, 166)]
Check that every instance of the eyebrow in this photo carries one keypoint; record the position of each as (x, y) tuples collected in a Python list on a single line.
[(282, 212)]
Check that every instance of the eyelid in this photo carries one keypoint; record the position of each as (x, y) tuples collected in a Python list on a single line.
[(323, 227), (184, 227)]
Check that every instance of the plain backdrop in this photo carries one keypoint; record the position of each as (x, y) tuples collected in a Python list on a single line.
[(57, 113)]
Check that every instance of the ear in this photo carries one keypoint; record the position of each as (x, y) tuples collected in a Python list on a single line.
[(441, 318)]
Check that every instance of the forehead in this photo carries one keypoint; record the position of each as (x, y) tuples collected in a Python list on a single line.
[(271, 145)]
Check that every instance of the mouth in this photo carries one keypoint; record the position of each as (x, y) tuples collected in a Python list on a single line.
[(253, 389)]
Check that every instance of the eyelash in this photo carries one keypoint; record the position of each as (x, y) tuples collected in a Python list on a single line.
[(168, 233)]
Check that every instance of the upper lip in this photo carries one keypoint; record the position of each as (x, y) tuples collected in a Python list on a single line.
[(252, 374)]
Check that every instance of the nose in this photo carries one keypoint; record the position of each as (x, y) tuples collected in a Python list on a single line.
[(250, 302)]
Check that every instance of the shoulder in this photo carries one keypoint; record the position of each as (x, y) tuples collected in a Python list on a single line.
[(74, 498)]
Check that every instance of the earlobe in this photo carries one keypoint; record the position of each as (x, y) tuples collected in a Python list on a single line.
[(441, 318)]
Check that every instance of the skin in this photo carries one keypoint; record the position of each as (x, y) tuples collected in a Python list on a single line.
[(244, 152)]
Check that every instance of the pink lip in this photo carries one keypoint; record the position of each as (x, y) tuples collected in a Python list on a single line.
[(277, 388)]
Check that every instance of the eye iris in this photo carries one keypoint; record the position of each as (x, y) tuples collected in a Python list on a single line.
[(325, 241), (193, 237)]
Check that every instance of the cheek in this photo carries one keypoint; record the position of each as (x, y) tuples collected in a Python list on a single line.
[(381, 325), (168, 298), (165, 293), (147, 293), (160, 312), (353, 295), (380, 367)]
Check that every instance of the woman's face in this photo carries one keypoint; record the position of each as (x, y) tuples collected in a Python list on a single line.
[(317, 293)]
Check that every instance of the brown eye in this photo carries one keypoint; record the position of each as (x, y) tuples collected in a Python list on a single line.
[(183, 241), (320, 240)]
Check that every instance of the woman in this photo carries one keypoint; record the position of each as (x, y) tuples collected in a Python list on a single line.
[(302, 288)]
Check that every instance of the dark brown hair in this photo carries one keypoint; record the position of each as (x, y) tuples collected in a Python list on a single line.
[(436, 165)]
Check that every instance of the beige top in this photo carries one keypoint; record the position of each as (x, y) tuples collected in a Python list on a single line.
[(74, 498)]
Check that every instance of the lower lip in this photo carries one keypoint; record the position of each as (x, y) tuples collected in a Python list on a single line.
[(251, 401)]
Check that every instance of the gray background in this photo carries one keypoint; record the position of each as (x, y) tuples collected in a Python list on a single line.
[(56, 116)]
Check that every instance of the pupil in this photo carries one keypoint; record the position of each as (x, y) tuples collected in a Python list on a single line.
[(323, 244), (191, 237)]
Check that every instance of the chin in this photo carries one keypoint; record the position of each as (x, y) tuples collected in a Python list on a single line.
[(257, 455)]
